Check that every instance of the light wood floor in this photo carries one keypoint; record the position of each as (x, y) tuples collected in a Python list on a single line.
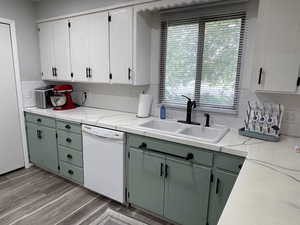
[(36, 197)]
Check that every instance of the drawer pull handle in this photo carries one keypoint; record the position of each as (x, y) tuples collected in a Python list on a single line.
[(218, 186), (260, 75), (69, 156), (39, 120), (68, 127), (39, 134), (143, 145), (69, 140), (189, 156), (70, 172)]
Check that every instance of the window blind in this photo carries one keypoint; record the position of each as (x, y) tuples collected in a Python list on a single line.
[(201, 58)]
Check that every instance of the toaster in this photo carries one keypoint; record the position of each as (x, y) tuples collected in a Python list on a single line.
[(42, 97)]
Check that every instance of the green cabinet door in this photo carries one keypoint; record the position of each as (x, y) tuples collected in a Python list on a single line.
[(220, 191), (42, 146), (34, 144), (145, 180), (186, 192), (50, 152)]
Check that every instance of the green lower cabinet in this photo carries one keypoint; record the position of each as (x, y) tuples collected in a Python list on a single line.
[(220, 191), (42, 146), (145, 180), (186, 192)]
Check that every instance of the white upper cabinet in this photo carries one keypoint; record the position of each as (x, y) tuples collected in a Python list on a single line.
[(278, 48), (90, 48), (104, 47), (121, 39), (54, 50)]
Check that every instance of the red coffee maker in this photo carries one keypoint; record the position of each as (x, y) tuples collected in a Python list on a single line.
[(62, 99)]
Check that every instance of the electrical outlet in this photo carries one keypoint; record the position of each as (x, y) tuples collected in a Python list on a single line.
[(290, 116)]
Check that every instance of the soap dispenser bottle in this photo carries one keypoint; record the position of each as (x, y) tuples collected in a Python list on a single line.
[(162, 112)]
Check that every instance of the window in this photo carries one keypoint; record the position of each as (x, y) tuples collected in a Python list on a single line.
[(201, 58)]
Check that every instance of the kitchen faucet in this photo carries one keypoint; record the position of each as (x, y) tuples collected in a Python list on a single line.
[(189, 108)]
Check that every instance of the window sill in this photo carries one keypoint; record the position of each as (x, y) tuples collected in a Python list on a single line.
[(202, 109)]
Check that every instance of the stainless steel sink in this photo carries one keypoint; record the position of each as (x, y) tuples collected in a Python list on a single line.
[(206, 134)]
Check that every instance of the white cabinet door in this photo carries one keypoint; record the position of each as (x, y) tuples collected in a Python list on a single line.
[(121, 45), (79, 36), (46, 50), (278, 46), (62, 50), (98, 48)]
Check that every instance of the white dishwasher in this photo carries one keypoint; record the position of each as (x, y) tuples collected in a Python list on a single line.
[(103, 161)]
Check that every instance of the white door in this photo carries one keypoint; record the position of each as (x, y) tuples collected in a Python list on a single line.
[(99, 48), (278, 45), (121, 32), (46, 50), (11, 151), (79, 47), (62, 50)]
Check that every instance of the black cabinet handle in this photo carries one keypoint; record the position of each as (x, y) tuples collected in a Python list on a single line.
[(166, 171), (53, 73), (129, 72), (90, 73), (260, 75), (69, 156), (189, 156), (39, 120), (161, 169), (217, 186), (68, 127), (69, 140), (70, 172), (39, 134), (143, 145), (87, 72)]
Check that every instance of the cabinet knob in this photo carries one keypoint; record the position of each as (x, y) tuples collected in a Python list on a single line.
[(70, 172), (68, 127), (189, 156), (69, 156), (69, 140), (39, 120), (143, 145)]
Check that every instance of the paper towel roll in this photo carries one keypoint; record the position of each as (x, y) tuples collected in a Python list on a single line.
[(145, 102)]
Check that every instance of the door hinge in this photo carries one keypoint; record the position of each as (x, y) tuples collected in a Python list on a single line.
[(72, 75), (109, 18), (298, 82), (211, 178), (128, 195), (69, 24), (110, 76)]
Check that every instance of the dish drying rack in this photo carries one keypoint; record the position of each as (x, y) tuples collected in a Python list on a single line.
[(263, 121)]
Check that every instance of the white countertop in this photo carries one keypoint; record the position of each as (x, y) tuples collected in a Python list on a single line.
[(267, 191)]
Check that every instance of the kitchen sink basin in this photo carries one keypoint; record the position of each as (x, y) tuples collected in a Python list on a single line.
[(163, 125), (207, 134)]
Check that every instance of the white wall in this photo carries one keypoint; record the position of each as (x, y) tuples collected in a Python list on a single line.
[(125, 98), (23, 13)]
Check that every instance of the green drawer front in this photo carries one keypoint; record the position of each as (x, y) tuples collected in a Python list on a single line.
[(70, 156), (201, 156), (41, 120), (68, 126), (70, 140), (72, 172), (228, 162)]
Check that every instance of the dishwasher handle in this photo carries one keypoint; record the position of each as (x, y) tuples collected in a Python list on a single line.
[(103, 133)]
